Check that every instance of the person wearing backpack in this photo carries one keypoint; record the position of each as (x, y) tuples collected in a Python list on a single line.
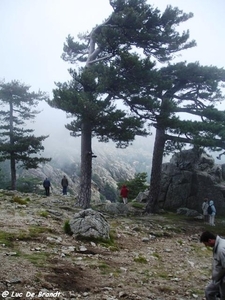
[(211, 213), (216, 288)]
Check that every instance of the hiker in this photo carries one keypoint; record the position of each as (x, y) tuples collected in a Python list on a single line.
[(124, 193), (205, 205), (217, 285), (212, 212), (64, 183), (46, 185)]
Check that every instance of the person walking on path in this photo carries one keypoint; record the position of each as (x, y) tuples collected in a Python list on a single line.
[(205, 205), (211, 212), (64, 183), (216, 288), (46, 185), (124, 193)]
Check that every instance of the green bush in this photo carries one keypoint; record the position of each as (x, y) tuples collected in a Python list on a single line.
[(136, 185), (28, 185)]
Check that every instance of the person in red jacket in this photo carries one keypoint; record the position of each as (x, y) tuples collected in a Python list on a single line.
[(124, 193)]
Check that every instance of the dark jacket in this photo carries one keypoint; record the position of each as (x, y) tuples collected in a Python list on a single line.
[(64, 181), (46, 183)]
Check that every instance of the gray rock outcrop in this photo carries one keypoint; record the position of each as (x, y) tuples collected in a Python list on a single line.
[(90, 223), (114, 209), (188, 178)]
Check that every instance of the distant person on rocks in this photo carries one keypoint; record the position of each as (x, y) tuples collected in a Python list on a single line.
[(205, 205), (46, 185), (216, 288), (124, 193), (64, 183), (212, 213)]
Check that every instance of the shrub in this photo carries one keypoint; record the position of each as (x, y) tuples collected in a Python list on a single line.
[(28, 185), (19, 200), (136, 185)]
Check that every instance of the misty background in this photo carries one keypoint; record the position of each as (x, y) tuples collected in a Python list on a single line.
[(32, 38)]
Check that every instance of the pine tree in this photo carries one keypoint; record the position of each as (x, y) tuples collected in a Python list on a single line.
[(180, 102), (17, 144), (107, 55)]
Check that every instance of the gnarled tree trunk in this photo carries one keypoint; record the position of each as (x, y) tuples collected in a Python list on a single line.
[(155, 181)]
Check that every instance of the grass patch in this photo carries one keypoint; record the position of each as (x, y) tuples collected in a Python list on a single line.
[(218, 229), (146, 273), (156, 255), (114, 248), (39, 259), (43, 214), (105, 269), (180, 242), (140, 259), (174, 217), (138, 205), (103, 266), (8, 193), (67, 228), (117, 273), (198, 292), (98, 240), (163, 275), (19, 200), (7, 238), (35, 231), (166, 289)]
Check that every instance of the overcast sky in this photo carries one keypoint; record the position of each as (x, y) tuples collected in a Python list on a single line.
[(33, 32)]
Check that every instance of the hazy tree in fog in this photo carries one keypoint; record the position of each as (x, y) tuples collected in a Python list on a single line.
[(180, 102), (17, 144), (108, 55)]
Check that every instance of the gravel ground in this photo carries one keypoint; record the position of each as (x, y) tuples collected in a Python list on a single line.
[(153, 257)]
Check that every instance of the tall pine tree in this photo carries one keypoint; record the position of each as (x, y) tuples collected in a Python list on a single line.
[(18, 144), (180, 102), (106, 53)]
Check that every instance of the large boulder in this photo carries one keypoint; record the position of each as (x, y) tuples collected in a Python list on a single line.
[(188, 178), (90, 223), (142, 197)]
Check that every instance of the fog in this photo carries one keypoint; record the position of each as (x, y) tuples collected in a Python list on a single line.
[(32, 37)]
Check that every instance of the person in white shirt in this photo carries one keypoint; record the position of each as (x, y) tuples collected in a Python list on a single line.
[(205, 205)]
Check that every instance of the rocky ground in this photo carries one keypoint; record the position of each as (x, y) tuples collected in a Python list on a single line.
[(152, 257)]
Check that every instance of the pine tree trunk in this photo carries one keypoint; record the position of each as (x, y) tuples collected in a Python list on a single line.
[(12, 158), (13, 173), (155, 181), (84, 197)]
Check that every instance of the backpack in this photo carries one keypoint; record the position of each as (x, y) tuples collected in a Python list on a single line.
[(209, 210)]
